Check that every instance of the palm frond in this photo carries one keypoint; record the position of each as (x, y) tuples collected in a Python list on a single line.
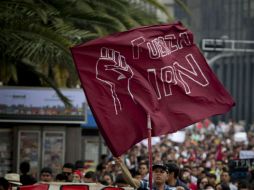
[(30, 66), (160, 6), (183, 6), (98, 18)]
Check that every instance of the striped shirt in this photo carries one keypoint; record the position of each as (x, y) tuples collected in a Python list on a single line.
[(144, 185)]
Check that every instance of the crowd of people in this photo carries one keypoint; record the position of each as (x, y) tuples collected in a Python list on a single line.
[(200, 162)]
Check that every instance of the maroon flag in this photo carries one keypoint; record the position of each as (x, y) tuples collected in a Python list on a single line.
[(155, 70)]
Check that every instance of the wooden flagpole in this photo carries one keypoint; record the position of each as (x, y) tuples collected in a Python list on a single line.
[(149, 127)]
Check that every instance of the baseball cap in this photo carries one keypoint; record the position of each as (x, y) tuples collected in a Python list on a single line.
[(160, 165)]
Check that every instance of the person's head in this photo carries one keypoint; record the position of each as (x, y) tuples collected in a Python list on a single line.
[(120, 181), (209, 187), (67, 170), (90, 177), (202, 183), (185, 175), (222, 186), (173, 170), (108, 178), (61, 177), (160, 173), (224, 177), (211, 178), (143, 169), (24, 167), (137, 175), (79, 165), (13, 179), (77, 176), (46, 174), (219, 164)]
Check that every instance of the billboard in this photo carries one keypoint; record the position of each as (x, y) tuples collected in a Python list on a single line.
[(41, 105)]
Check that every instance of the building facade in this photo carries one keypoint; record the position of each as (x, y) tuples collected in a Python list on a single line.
[(227, 20)]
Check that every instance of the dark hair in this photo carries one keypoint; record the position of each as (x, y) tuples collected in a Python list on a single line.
[(143, 163), (46, 170), (61, 177), (68, 165), (4, 183), (79, 164), (211, 175), (223, 186), (120, 179), (24, 167), (91, 175), (110, 175), (173, 167)]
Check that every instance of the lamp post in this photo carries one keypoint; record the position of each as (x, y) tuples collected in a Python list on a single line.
[(219, 56)]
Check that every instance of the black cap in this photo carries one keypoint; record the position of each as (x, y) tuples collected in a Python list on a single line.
[(160, 165)]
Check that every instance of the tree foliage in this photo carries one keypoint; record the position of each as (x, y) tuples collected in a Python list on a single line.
[(36, 35)]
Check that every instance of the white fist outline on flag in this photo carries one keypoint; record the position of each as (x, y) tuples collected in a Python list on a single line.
[(111, 60)]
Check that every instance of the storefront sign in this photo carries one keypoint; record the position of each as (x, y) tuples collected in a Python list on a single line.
[(41, 105)]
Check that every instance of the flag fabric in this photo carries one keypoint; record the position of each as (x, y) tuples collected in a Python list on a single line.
[(155, 70), (219, 153)]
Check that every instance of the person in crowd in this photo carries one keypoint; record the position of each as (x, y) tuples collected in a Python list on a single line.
[(4, 184), (25, 178), (212, 179), (209, 187), (90, 177), (107, 179), (120, 181), (173, 176), (225, 178), (100, 170), (185, 176), (13, 180), (143, 170), (77, 176), (160, 176), (244, 185), (137, 175), (46, 174), (61, 177), (222, 186), (67, 170), (202, 182), (79, 165)]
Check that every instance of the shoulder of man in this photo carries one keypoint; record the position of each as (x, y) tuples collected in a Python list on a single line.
[(144, 184), (182, 184)]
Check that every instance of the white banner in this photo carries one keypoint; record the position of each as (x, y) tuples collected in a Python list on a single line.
[(246, 154)]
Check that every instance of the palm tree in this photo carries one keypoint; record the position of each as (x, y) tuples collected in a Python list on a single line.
[(36, 35)]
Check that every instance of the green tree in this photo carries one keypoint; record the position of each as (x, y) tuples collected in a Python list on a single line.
[(36, 35)]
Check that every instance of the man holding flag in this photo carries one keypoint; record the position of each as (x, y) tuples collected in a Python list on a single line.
[(160, 175)]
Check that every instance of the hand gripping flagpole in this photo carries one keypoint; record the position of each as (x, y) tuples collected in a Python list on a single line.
[(149, 127)]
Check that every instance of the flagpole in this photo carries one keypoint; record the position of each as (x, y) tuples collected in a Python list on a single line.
[(149, 127)]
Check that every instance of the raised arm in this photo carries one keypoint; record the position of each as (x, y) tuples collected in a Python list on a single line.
[(126, 173)]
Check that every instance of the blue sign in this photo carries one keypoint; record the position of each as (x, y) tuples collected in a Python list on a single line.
[(90, 120)]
